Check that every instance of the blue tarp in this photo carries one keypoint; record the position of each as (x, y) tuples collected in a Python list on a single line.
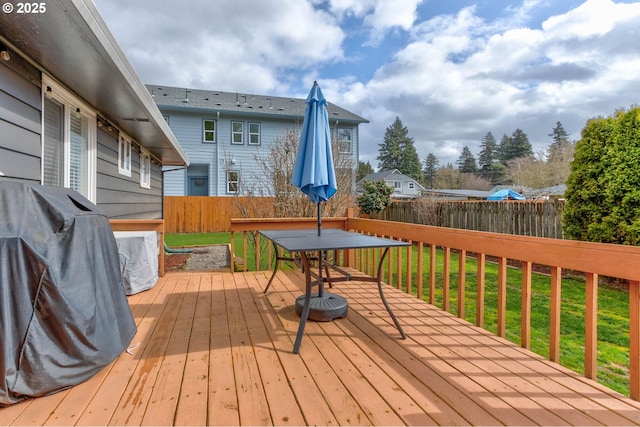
[(506, 195)]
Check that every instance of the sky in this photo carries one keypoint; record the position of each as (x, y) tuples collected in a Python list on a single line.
[(451, 70)]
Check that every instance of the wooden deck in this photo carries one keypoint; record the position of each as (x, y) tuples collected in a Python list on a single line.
[(215, 350)]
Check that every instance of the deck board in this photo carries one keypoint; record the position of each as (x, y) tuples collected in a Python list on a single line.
[(213, 349)]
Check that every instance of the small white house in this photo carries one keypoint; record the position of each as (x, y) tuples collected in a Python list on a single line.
[(404, 187)]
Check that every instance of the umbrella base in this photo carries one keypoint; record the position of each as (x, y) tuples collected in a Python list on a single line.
[(325, 308)]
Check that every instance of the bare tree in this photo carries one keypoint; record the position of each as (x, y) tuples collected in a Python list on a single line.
[(272, 179)]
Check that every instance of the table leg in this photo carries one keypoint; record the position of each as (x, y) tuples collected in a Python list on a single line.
[(307, 303), (384, 301), (276, 251)]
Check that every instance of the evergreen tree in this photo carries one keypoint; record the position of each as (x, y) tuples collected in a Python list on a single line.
[(603, 190), (488, 152), (390, 152), (430, 169), (398, 152), (489, 160), (515, 146), (559, 156), (466, 162), (364, 169), (559, 145)]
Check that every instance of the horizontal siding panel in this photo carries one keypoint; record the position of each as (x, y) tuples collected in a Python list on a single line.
[(21, 140), (14, 111), (108, 196), (16, 85), (19, 166), (120, 211)]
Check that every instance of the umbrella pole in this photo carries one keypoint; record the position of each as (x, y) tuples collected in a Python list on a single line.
[(321, 284), (319, 220)]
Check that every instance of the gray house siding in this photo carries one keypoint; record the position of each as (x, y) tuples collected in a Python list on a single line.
[(216, 158), (20, 123), (121, 196), (21, 149)]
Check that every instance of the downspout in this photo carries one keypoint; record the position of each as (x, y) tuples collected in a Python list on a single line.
[(217, 163)]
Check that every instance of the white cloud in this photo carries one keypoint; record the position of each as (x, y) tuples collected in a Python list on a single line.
[(456, 77), (227, 45), (461, 77), (379, 16)]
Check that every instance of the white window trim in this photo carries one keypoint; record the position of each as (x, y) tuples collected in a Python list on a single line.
[(204, 132), (237, 182), (128, 144), (237, 133), (342, 143), (254, 133), (69, 102), (145, 179)]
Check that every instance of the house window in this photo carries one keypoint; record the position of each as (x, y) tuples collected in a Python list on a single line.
[(254, 133), (209, 131), (145, 169), (232, 181), (412, 186), (237, 133), (53, 143), (345, 140), (397, 185), (124, 156), (69, 141)]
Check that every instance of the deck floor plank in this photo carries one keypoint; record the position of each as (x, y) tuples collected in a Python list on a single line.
[(282, 401), (311, 375), (222, 395), (252, 401), (376, 409), (213, 349), (192, 401), (165, 389)]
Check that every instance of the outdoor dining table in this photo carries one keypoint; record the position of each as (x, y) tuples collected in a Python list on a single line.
[(307, 241)]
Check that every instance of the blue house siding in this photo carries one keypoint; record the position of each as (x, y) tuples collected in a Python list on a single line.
[(210, 161)]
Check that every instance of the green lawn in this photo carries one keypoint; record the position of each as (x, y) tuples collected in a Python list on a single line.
[(613, 308)]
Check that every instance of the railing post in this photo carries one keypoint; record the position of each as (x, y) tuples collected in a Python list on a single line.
[(480, 291), (446, 279), (525, 318), (634, 339), (502, 296), (591, 327), (462, 281), (554, 309), (233, 253)]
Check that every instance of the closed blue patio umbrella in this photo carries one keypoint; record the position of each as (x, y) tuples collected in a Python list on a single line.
[(313, 170), (314, 174)]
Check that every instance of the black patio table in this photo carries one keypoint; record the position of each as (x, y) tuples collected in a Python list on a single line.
[(307, 240)]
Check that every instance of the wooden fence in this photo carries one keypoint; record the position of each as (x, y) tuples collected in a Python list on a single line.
[(198, 214), (526, 218), (201, 214)]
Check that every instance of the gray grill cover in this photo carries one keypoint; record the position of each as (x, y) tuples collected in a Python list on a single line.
[(63, 312)]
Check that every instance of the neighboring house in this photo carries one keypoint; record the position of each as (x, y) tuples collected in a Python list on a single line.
[(227, 135), (73, 112), (404, 187)]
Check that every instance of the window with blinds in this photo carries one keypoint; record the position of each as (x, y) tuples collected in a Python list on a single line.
[(78, 153), (69, 141), (53, 141)]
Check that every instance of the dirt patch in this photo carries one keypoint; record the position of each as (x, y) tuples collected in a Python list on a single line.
[(205, 258)]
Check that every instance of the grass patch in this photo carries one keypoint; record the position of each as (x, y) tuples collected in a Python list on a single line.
[(613, 305)]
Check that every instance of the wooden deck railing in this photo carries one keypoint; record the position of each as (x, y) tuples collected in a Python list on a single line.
[(592, 259)]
